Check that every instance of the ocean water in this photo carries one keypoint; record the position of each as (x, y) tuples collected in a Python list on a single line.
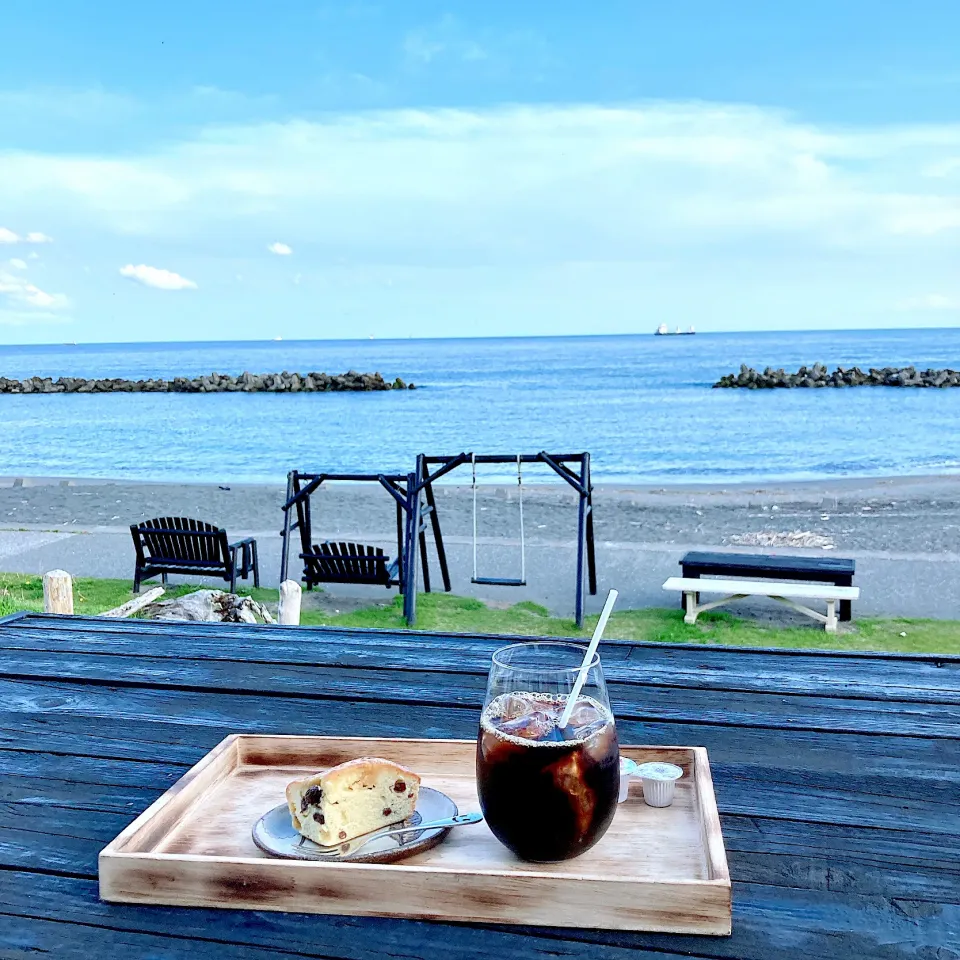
[(642, 405)]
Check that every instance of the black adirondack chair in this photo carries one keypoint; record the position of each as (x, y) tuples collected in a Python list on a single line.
[(181, 545), (342, 562)]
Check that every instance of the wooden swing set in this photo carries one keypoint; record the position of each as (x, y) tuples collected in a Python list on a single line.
[(416, 513)]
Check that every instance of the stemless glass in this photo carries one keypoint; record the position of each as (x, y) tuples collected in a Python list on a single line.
[(547, 794)]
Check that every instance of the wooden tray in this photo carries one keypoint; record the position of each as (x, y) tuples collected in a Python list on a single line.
[(655, 869)]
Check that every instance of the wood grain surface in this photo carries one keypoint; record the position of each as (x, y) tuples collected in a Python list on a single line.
[(837, 777), (655, 869)]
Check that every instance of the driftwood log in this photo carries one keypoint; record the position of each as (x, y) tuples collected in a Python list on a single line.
[(131, 607), (210, 606)]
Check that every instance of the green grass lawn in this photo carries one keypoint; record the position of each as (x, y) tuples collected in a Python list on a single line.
[(448, 613), (24, 592)]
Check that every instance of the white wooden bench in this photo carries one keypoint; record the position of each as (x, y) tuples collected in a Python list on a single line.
[(788, 593)]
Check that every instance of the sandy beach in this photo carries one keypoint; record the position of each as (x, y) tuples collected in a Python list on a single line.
[(904, 532)]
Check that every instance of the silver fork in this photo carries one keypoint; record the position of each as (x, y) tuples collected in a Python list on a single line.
[(350, 847)]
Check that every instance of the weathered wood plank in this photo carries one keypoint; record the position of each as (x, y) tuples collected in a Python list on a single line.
[(841, 844), (832, 858), (789, 660), (834, 801), (735, 708), (762, 849), (30, 937), (41, 707), (842, 778), (91, 770), (679, 669), (769, 924)]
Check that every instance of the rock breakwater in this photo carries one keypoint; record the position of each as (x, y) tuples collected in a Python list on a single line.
[(819, 376), (212, 383)]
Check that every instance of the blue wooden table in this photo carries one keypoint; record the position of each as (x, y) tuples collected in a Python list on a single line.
[(837, 778)]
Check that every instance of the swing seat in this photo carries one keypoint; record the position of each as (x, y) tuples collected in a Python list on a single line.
[(520, 581), (348, 563)]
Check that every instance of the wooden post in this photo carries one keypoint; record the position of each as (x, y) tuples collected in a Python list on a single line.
[(423, 471), (410, 551), (285, 532), (587, 482), (581, 544), (288, 612), (57, 592)]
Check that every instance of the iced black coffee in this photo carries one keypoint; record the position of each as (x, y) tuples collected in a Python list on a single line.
[(548, 792)]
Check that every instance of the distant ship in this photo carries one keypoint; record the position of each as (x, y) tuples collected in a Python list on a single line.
[(662, 331)]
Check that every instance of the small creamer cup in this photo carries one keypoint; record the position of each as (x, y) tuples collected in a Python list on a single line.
[(659, 780), (628, 769)]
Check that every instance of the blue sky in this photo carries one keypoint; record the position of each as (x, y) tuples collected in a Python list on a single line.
[(242, 170)]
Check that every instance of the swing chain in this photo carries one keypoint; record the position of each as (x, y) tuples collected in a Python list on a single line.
[(523, 548), (473, 464)]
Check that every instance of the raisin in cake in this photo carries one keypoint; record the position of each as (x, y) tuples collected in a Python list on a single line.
[(351, 799)]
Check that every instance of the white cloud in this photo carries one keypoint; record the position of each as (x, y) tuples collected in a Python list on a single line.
[(8, 236), (16, 291), (33, 255), (554, 182), (943, 168), (281, 249), (157, 278), (18, 263), (297, 278), (931, 301), (637, 203)]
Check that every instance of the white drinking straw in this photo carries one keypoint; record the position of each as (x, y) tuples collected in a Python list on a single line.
[(588, 657)]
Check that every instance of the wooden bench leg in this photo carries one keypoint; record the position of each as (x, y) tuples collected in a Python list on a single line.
[(846, 606), (693, 574), (831, 622), (690, 605)]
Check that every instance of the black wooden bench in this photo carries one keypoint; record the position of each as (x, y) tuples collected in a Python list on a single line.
[(344, 562), (771, 566), (181, 545)]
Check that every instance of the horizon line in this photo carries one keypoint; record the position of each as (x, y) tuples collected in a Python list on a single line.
[(533, 336)]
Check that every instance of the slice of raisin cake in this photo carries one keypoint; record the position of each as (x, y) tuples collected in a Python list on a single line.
[(352, 799)]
